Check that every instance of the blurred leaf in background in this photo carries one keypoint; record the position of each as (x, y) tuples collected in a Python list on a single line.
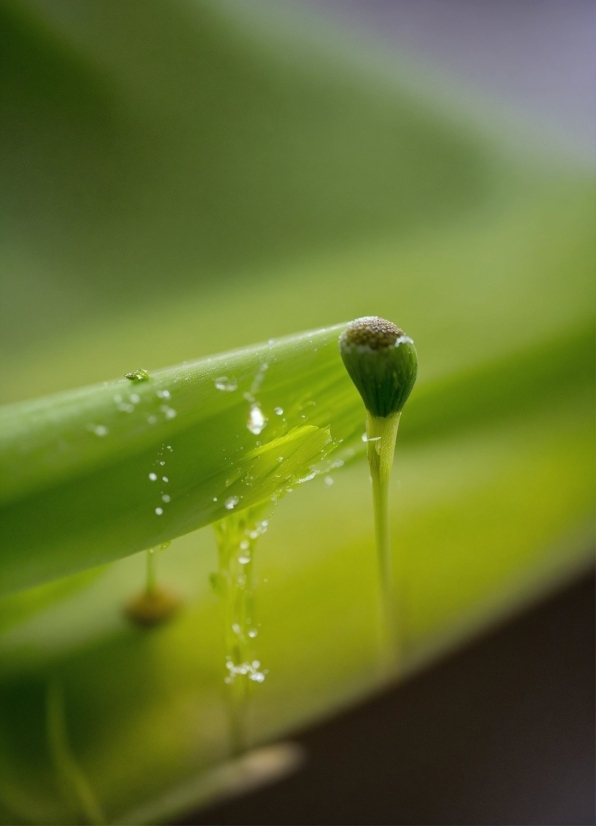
[(180, 178)]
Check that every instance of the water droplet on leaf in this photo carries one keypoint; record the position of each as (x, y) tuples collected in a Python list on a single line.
[(256, 420), (226, 384)]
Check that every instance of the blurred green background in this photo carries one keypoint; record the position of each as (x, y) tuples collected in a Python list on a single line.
[(183, 177)]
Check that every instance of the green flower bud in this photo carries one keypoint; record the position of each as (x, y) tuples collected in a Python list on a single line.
[(381, 361)]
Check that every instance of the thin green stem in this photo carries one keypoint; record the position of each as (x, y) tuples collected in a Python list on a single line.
[(236, 539), (76, 788), (381, 435), (151, 579)]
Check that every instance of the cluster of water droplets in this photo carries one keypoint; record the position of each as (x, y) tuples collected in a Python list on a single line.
[(237, 536), (129, 402), (252, 670), (158, 475)]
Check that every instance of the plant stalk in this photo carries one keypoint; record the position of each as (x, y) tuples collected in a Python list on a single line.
[(381, 435), (151, 577)]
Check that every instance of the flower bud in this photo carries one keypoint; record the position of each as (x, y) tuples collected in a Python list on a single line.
[(381, 361)]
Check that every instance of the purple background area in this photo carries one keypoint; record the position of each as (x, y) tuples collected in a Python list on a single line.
[(538, 55)]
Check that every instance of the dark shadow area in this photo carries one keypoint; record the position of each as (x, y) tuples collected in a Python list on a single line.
[(502, 732)]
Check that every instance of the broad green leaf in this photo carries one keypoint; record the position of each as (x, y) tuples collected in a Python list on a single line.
[(93, 475)]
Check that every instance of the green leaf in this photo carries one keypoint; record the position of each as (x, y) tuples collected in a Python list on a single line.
[(93, 475)]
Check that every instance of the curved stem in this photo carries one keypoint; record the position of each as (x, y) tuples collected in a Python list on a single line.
[(75, 785)]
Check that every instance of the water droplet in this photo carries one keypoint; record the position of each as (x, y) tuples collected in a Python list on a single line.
[(99, 429), (159, 511), (163, 394), (244, 544), (226, 384), (279, 411), (231, 502), (165, 478), (256, 419), (252, 633), (215, 498), (153, 476), (138, 375), (170, 413), (125, 407), (169, 447), (243, 560), (162, 463), (135, 398), (165, 498), (258, 677), (236, 629), (328, 481)]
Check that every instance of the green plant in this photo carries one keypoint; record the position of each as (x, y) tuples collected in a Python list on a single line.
[(143, 230), (383, 364)]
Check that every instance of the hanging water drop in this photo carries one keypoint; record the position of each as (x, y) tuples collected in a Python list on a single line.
[(256, 420)]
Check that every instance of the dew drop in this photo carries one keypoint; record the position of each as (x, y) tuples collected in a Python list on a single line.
[(256, 419), (165, 498), (252, 633), (159, 511), (165, 478), (226, 384), (153, 477), (328, 481), (231, 502), (279, 411), (257, 677), (99, 430), (135, 398), (138, 375)]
